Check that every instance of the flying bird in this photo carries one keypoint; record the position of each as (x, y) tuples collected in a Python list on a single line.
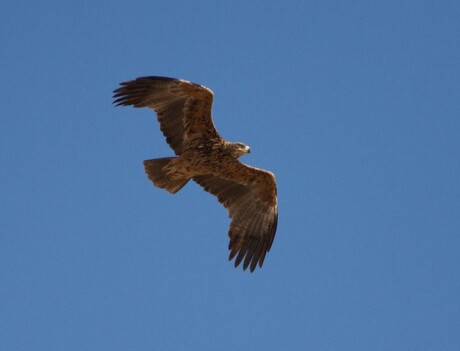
[(249, 194)]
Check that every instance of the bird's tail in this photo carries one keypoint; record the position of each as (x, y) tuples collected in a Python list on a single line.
[(156, 173)]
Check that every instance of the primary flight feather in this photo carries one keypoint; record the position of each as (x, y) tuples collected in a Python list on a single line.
[(248, 193)]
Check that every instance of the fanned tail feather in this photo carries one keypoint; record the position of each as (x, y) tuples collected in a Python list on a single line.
[(154, 169)]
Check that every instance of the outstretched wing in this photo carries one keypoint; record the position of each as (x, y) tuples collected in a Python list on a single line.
[(249, 194), (183, 107)]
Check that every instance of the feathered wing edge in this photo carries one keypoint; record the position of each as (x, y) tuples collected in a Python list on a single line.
[(253, 221), (183, 108)]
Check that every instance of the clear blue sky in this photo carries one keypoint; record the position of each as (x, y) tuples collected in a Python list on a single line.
[(354, 105)]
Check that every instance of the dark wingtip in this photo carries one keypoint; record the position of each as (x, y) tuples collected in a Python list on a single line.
[(248, 254), (120, 95), (132, 92)]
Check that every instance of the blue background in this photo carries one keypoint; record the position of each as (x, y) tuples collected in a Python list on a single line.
[(354, 105)]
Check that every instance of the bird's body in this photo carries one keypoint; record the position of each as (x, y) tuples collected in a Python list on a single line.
[(248, 193)]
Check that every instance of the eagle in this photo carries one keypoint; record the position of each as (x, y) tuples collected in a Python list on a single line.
[(249, 194)]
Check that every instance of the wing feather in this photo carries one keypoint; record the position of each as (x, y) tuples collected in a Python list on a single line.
[(253, 212), (183, 108)]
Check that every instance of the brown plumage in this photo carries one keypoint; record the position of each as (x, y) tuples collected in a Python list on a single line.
[(249, 194)]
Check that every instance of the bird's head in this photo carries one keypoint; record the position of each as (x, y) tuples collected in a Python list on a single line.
[(237, 149)]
